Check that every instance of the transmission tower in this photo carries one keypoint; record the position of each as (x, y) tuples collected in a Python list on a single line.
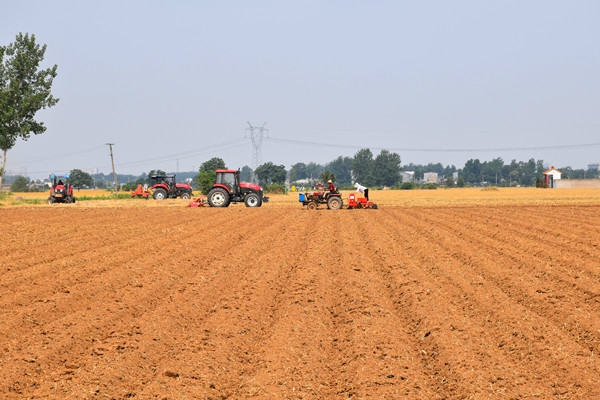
[(256, 135)]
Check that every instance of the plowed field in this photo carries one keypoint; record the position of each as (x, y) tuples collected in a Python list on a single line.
[(471, 302)]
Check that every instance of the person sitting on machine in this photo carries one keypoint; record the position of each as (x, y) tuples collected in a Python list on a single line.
[(332, 188), (364, 190)]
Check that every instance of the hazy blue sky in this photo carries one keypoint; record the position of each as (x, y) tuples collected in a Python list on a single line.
[(179, 79)]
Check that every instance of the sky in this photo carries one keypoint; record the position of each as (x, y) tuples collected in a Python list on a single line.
[(175, 83)]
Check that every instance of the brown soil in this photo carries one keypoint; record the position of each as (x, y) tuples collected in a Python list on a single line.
[(469, 302)]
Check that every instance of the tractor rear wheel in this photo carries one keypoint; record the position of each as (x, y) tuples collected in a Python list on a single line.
[(218, 197), (252, 200), (159, 194), (334, 203), (312, 205)]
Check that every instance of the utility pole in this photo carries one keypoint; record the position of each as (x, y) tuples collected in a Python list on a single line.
[(113, 165)]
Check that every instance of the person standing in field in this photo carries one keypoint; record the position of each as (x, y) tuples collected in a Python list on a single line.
[(364, 190)]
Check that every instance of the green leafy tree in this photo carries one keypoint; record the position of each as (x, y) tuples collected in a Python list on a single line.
[(80, 179), (269, 173), (362, 167), (24, 90), (341, 167), (327, 176), (460, 182), (298, 171), (450, 182), (387, 168), (313, 170), (21, 184), (246, 174), (207, 176)]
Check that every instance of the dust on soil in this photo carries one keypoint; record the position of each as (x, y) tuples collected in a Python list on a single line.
[(421, 303)]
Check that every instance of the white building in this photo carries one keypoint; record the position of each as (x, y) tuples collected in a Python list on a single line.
[(408, 176), (430, 177), (552, 175)]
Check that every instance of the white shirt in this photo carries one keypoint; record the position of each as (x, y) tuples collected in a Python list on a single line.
[(359, 188)]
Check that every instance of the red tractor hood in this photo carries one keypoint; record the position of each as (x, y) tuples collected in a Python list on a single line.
[(183, 185), (250, 186)]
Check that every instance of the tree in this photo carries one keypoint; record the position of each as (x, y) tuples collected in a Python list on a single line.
[(362, 167), (269, 173), (207, 176), (21, 184), (298, 171), (246, 174), (313, 170), (387, 168), (80, 179), (24, 90), (450, 182), (341, 167), (460, 182), (327, 176)]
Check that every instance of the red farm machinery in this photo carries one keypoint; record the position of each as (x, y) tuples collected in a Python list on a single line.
[(228, 189), (61, 190), (168, 188)]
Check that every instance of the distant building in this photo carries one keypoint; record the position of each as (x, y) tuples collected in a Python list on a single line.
[(408, 176), (551, 176), (430, 177), (455, 176)]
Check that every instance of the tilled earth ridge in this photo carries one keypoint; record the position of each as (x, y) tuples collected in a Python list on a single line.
[(420, 303)]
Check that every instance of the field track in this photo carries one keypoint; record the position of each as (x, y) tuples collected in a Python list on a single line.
[(471, 302)]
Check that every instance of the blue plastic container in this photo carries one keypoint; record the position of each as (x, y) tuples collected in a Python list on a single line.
[(301, 196)]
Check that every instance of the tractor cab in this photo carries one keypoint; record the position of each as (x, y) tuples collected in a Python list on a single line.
[(61, 190), (228, 178)]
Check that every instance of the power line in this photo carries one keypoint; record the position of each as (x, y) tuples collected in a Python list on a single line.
[(230, 144), (434, 150), (70, 154)]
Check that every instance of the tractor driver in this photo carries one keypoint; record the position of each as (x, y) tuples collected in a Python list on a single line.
[(331, 186), (364, 190), (60, 182)]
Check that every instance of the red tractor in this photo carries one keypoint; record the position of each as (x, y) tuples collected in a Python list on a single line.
[(311, 200), (228, 189), (168, 188), (61, 190)]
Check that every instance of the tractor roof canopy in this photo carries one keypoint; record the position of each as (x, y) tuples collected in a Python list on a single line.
[(66, 176), (225, 170), (162, 176)]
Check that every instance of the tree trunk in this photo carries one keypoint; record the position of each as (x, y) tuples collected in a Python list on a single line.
[(2, 168)]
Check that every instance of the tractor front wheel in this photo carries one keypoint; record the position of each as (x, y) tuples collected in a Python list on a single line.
[(186, 196), (159, 194), (218, 197), (334, 203), (51, 200), (312, 205), (252, 200)]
